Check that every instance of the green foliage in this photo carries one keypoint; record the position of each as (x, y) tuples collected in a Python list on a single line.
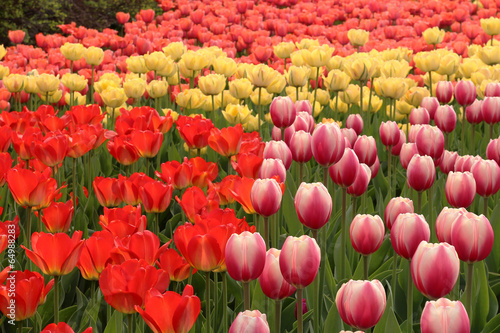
[(45, 15)]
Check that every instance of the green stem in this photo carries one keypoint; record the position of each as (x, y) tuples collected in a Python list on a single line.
[(361, 99), (266, 231), (191, 82), (207, 300), (394, 275), (28, 227), (246, 295), (316, 291), (157, 104), (260, 112), (468, 288), (491, 131), (430, 81), (297, 92), (213, 109), (419, 202), (301, 172), (56, 299), (485, 207), (389, 171), (74, 183), (92, 85), (277, 316), (190, 278), (20, 327), (325, 178), (365, 267), (370, 97), (472, 147), (343, 240), (316, 89), (430, 199), (463, 132), (224, 301), (47, 98), (156, 226), (354, 206), (409, 298), (492, 39), (71, 66), (300, 324), (336, 106), (129, 323)]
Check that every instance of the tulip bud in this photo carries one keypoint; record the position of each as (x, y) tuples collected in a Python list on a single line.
[(445, 221), (266, 197), (419, 116), (272, 167), (421, 173), (367, 233), (444, 92), (278, 150), (350, 136), (366, 149), (303, 106), (345, 171), (300, 146), (358, 37), (465, 92), (430, 104), (473, 237), (433, 36), (304, 307), (487, 176), (465, 163), (304, 122), (473, 113), (490, 110), (245, 256), (250, 321), (448, 161), (446, 118), (271, 281), (327, 144), (374, 169), (493, 150), (283, 112), (299, 260), (361, 303), (389, 133), (460, 189), (408, 231), (395, 207), (355, 122), (313, 204), (444, 315), (492, 90), (362, 180), (430, 142), (408, 150)]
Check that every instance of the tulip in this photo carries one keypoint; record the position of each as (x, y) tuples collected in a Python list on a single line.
[(367, 234), (444, 92), (493, 150), (421, 173), (155, 196), (350, 136), (419, 116), (435, 269), (226, 141), (408, 230), (358, 37), (194, 131), (465, 92), (366, 149), (492, 90), (408, 150), (271, 280), (123, 151), (433, 36), (299, 260), (170, 312), (283, 112), (175, 265), (395, 207), (355, 121), (327, 145), (272, 167), (361, 183), (361, 303), (107, 191), (57, 217), (250, 321), (446, 118), (278, 150), (344, 172), (487, 177), (445, 221), (473, 112), (430, 104), (62, 327), (313, 204), (389, 133), (212, 84), (31, 188), (96, 254), (430, 142), (73, 51), (460, 189), (266, 197), (465, 163), (444, 316), (448, 161), (94, 56)]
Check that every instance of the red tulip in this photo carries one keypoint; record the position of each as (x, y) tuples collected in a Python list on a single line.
[(55, 263), (176, 266), (16, 36), (361, 303), (107, 191), (122, 222), (445, 221), (445, 118), (129, 187), (407, 232), (435, 269), (363, 179), (170, 312), (226, 141), (283, 112), (327, 144), (245, 256), (122, 17), (313, 204), (271, 281), (203, 172), (490, 110), (57, 217), (367, 233), (123, 151), (444, 316), (278, 150), (460, 189), (472, 236), (148, 143), (31, 188), (95, 254), (155, 196), (22, 143), (194, 131), (62, 328), (444, 92), (465, 92), (299, 260), (5, 165), (247, 165), (395, 207), (250, 321), (140, 245), (473, 113), (421, 173), (52, 150), (175, 173), (345, 171), (80, 143)]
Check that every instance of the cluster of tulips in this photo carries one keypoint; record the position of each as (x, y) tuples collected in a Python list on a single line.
[(201, 165)]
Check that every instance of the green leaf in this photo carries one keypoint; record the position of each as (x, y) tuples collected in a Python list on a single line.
[(388, 322), (66, 313), (493, 325), (333, 321), (290, 215), (480, 298), (115, 323)]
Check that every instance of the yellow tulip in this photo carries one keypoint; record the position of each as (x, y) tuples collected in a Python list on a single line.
[(3, 52), (184, 71), (297, 76), (173, 80), (298, 59), (433, 36), (113, 76), (427, 61), (403, 107), (113, 97), (358, 37), (491, 26), (277, 85), (212, 84), (157, 88), (335, 62), (47, 83), (336, 80), (94, 56), (449, 64), (480, 75), (393, 87), (265, 97), (350, 95), (318, 56), (78, 99), (469, 66), (400, 53), (14, 82), (473, 50), (236, 113), (341, 106), (195, 61), (251, 123), (228, 99), (490, 55), (307, 43), (284, 49), (240, 88), (54, 96), (360, 68), (224, 66), (74, 82), (72, 51), (191, 99), (395, 68), (168, 68), (104, 84), (207, 106), (317, 109), (261, 75), (134, 88), (375, 105), (175, 50), (172, 113), (155, 61), (4, 71), (242, 70), (30, 85), (137, 64), (415, 95), (322, 97)]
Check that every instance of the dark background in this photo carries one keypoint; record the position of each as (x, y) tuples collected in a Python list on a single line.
[(34, 16)]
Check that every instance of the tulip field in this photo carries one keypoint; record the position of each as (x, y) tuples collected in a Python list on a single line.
[(254, 166)]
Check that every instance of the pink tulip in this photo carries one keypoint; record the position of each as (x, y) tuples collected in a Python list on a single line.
[(374, 168), (327, 144), (396, 149), (444, 92), (408, 150), (304, 106), (407, 232), (272, 167), (435, 269), (266, 195), (366, 149), (473, 237), (350, 135), (465, 92), (245, 256), (465, 163), (389, 133), (445, 118), (430, 142), (490, 110), (278, 150), (492, 90), (283, 112), (345, 171), (362, 180), (448, 161), (367, 233), (473, 112), (361, 303), (271, 281), (460, 189), (430, 104), (487, 176), (444, 316), (299, 260), (250, 322), (445, 221), (412, 134), (355, 121), (305, 122), (493, 150), (395, 207), (421, 173), (300, 146), (313, 204), (420, 116)]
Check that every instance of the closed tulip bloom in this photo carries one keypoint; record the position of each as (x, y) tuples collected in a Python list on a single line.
[(367, 233), (473, 237), (283, 112), (473, 113), (52, 150), (465, 92), (73, 51), (313, 204), (300, 146), (362, 180), (261, 75), (345, 171), (327, 144), (361, 303), (430, 142), (395, 207), (389, 133), (433, 35), (492, 90), (446, 118), (460, 189), (155, 196), (250, 322), (355, 122), (96, 254), (271, 281), (245, 256), (444, 92), (93, 56), (55, 263), (430, 104), (337, 80), (366, 149), (490, 110), (493, 150), (212, 84), (107, 191), (57, 217), (278, 150), (266, 197), (491, 26), (226, 141), (358, 37), (408, 150), (419, 116), (407, 232), (134, 88), (272, 167), (299, 260), (47, 83), (175, 265), (157, 88), (240, 88), (350, 136), (444, 316), (448, 161), (465, 163), (113, 97), (123, 151), (148, 143), (487, 176), (421, 173), (445, 221), (31, 188), (435, 269)]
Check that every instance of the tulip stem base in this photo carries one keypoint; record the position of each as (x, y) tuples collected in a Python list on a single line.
[(266, 231), (28, 228), (246, 295), (472, 148), (300, 324), (419, 202), (301, 172), (129, 323), (207, 301), (464, 149), (394, 276), (468, 289), (224, 300), (74, 183), (56, 299), (365, 266), (277, 317), (430, 80), (485, 206), (409, 298)]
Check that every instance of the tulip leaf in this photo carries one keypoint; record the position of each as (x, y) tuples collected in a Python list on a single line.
[(333, 321), (115, 323), (290, 215), (493, 260), (493, 325), (330, 280), (480, 298), (493, 304), (388, 322), (67, 313), (105, 161), (173, 154)]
